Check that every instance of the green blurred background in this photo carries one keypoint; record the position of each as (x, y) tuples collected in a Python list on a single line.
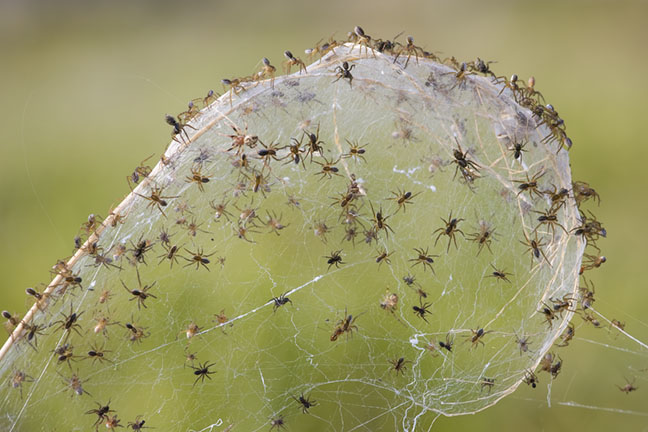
[(83, 91)]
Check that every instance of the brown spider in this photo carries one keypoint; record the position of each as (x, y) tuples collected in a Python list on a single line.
[(156, 199), (523, 343), (469, 169), (423, 258), (178, 128), (141, 171), (140, 294), (359, 37), (98, 353), (379, 221), (356, 151), (484, 237), (447, 345), (402, 198), (567, 335), (530, 379), (629, 387), (383, 256), (476, 337), (411, 50), (399, 365), (450, 229), (328, 168), (198, 258), (220, 209), (534, 246), (69, 323), (487, 383), (235, 86), (171, 254), (198, 178), (240, 139), (563, 304), (530, 184), (314, 144), (549, 218), (267, 71), (500, 274), (138, 424), (101, 411), (294, 152), (548, 314), (278, 423), (268, 153), (345, 325), (293, 61)]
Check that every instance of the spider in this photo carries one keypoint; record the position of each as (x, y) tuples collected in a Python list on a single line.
[(314, 143), (171, 254), (98, 353), (267, 71), (334, 259), (629, 387), (383, 256), (583, 192), (356, 151), (487, 383), (390, 302), (423, 258), (379, 221), (518, 149), (240, 139), (178, 128), (74, 384), (481, 66), (69, 323), (140, 294), (345, 325), (549, 218), (484, 237), (500, 274), (447, 344), (235, 86), (18, 379), (33, 330), (305, 402), (476, 337), (198, 178), (102, 412), (549, 314), (293, 61), (399, 365), (402, 198), (274, 222), (65, 353), (156, 199), (112, 422), (220, 209), (202, 371), (567, 335), (294, 152), (328, 168), (530, 184), (411, 50), (469, 169), (138, 424), (344, 71), (421, 310), (359, 37), (563, 304), (523, 343), (141, 171), (534, 246), (268, 153), (450, 229), (198, 258), (530, 379), (280, 301), (278, 423)]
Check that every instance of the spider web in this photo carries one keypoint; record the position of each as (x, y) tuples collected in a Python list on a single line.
[(410, 121)]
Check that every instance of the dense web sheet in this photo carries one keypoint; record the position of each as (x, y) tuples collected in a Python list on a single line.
[(281, 226)]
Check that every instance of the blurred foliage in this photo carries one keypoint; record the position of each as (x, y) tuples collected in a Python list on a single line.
[(81, 82)]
